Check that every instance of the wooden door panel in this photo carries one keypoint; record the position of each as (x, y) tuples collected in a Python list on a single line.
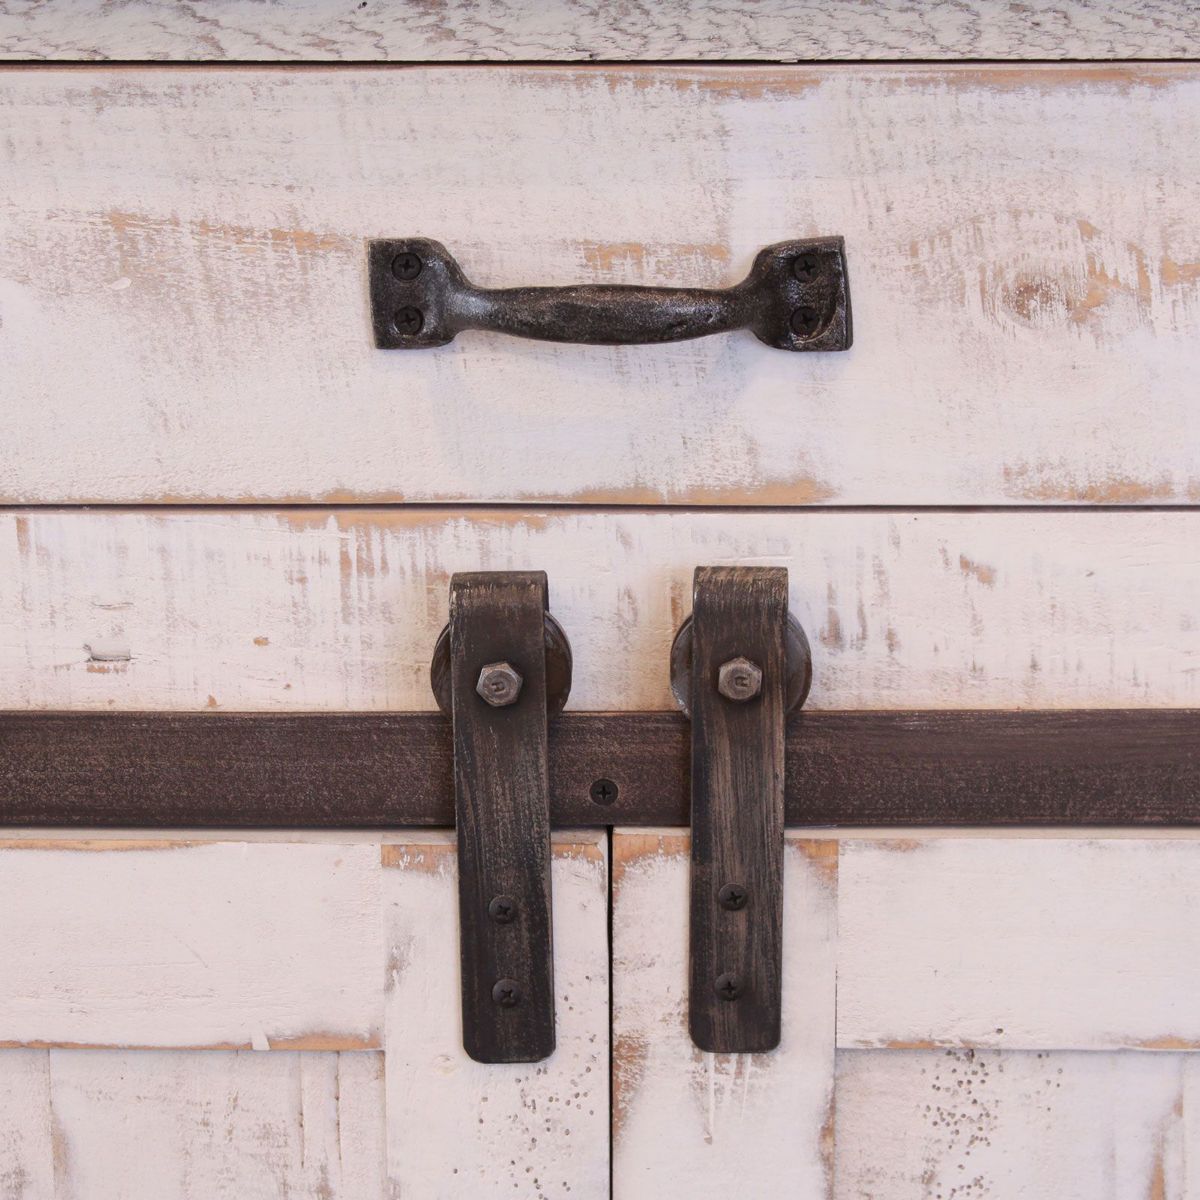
[(340, 610), (184, 302), (273, 943), (1065, 951)]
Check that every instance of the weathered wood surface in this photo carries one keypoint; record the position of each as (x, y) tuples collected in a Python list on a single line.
[(1022, 943), (506, 30), (461, 1130), (687, 1123), (380, 770), (112, 1125), (173, 942), (1022, 246), (1000, 1125), (312, 610)]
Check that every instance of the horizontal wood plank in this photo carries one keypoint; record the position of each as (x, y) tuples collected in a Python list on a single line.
[(113, 1124), (1024, 943), (958, 1123), (339, 611), (501, 30), (181, 324), (174, 943), (338, 771)]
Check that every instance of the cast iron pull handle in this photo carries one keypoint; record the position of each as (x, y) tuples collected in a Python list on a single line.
[(796, 297)]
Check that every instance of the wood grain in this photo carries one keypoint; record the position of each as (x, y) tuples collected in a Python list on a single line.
[(325, 771), (505, 30), (461, 1130), (737, 810), (339, 611), (112, 1124), (965, 1123), (1024, 944), (687, 1123), (174, 943), (1021, 243)]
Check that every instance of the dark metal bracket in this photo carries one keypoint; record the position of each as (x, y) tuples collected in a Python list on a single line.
[(796, 297), (494, 662), (742, 663)]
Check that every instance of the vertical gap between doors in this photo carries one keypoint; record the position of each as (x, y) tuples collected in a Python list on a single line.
[(612, 1080)]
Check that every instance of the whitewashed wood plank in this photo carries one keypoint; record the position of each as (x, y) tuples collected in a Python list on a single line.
[(1016, 1126), (183, 323), (687, 1123), (458, 1128), (504, 30), (317, 610), (112, 1125), (149, 941), (1019, 943)]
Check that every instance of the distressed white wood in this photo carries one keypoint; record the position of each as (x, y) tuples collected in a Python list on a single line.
[(499, 30), (114, 1125), (964, 1124), (687, 1123), (184, 309), (458, 1128), (317, 610), (150, 941), (1024, 944)]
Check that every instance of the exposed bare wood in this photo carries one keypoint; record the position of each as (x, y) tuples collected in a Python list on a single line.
[(182, 324), (503, 30), (313, 610)]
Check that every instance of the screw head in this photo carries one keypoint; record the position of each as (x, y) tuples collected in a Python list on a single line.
[(805, 266), (733, 896), (406, 265), (805, 321), (604, 791), (739, 679), (499, 684), (503, 910), (408, 321), (728, 986), (507, 993)]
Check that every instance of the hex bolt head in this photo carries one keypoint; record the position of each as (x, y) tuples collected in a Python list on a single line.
[(733, 896), (408, 321), (805, 267), (728, 986), (499, 684), (503, 910), (507, 993), (406, 265), (805, 321), (739, 679)]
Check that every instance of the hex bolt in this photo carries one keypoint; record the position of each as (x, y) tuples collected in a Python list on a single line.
[(805, 267), (805, 321), (503, 910), (739, 679), (408, 321), (604, 791), (406, 265), (499, 684), (728, 986), (507, 993), (733, 897)]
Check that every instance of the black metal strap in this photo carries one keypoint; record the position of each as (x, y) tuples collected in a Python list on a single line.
[(739, 668), (502, 810)]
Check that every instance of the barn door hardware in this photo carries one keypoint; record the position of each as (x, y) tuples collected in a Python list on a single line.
[(796, 297), (500, 669), (739, 665)]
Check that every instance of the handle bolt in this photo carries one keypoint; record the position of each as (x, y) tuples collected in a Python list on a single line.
[(499, 684), (739, 679)]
